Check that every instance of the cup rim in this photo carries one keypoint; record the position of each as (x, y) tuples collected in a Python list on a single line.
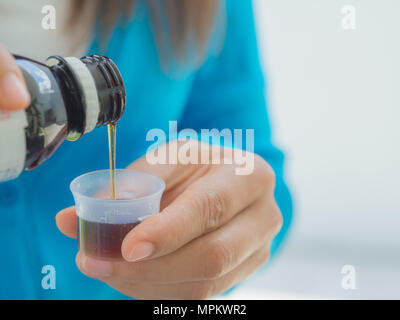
[(160, 191)]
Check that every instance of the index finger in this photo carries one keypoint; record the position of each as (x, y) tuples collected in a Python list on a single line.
[(205, 205)]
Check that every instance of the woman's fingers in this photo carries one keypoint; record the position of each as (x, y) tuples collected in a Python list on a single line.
[(66, 221), (13, 92), (206, 258), (206, 239), (191, 289), (205, 205)]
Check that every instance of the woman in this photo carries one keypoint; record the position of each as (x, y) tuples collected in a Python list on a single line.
[(194, 62)]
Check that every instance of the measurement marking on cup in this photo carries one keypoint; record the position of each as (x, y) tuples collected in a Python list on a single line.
[(144, 217)]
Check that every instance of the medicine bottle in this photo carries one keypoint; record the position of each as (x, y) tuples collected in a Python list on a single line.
[(69, 98)]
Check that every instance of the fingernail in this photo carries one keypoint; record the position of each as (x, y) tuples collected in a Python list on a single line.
[(13, 89), (95, 267), (140, 251)]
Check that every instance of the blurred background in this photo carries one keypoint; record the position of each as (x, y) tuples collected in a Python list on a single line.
[(334, 102)]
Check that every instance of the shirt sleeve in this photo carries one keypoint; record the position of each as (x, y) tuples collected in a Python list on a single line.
[(229, 92)]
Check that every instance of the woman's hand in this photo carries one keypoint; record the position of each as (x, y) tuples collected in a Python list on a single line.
[(13, 92), (214, 230)]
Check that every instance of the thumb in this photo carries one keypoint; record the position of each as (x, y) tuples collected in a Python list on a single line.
[(13, 92)]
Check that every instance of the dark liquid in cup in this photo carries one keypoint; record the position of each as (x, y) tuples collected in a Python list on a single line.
[(102, 240)]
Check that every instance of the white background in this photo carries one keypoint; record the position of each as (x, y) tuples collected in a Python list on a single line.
[(334, 102)]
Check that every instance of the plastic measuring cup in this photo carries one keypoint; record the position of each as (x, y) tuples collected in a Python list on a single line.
[(102, 222)]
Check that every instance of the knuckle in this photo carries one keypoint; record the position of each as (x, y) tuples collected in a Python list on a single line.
[(264, 256), (270, 223), (265, 171), (277, 220), (219, 260), (213, 205)]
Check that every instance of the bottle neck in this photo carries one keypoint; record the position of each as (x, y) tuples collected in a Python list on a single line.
[(110, 88), (93, 92)]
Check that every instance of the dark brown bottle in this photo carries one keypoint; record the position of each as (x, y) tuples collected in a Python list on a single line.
[(69, 97)]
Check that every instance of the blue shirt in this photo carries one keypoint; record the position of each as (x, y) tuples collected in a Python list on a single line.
[(226, 91)]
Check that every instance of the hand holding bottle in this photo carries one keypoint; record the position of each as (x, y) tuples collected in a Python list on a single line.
[(64, 98), (13, 92)]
